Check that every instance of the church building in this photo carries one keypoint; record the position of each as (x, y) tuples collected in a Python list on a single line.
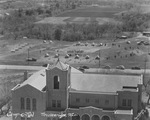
[(63, 92)]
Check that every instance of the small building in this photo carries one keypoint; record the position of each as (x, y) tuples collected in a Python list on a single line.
[(62, 92)]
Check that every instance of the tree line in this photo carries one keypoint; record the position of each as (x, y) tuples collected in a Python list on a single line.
[(20, 24)]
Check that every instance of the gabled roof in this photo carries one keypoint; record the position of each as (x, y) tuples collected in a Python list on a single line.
[(83, 82), (37, 80), (60, 65), (102, 82)]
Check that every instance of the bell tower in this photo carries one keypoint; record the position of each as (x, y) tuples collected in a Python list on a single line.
[(57, 83)]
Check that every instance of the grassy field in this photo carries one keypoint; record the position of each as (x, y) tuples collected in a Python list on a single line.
[(113, 55), (85, 15), (145, 8), (92, 11)]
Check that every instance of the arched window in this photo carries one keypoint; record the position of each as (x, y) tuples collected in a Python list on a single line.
[(28, 107), (105, 117), (95, 117), (85, 117), (56, 82), (77, 117), (22, 103), (33, 104)]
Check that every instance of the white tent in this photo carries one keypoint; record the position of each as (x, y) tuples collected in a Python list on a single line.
[(56, 55), (93, 44), (77, 57), (97, 57), (67, 56), (87, 57), (46, 55)]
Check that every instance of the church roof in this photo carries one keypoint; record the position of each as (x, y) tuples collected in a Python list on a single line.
[(83, 82), (37, 80), (60, 65), (103, 83)]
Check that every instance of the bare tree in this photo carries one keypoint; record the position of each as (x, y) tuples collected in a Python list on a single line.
[(5, 93), (148, 92)]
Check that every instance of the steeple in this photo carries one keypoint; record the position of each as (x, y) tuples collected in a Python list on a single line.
[(57, 80), (60, 65)]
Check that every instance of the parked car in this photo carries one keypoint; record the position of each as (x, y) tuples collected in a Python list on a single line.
[(135, 68), (107, 67), (120, 67), (81, 69), (85, 67), (31, 59), (45, 65)]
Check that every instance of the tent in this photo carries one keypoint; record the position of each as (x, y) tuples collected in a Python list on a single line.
[(87, 57), (97, 57), (67, 56), (77, 57), (56, 55), (46, 55)]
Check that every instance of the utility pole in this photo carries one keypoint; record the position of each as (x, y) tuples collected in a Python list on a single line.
[(99, 58), (28, 56), (145, 84)]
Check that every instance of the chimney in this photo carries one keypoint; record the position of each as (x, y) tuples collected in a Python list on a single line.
[(25, 75)]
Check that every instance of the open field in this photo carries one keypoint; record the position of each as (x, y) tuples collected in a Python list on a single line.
[(112, 53), (92, 11), (85, 15), (145, 8), (76, 20)]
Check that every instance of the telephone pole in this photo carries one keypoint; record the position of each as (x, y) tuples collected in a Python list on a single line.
[(99, 58), (28, 56)]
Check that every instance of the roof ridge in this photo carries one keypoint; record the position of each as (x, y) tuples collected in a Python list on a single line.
[(61, 65)]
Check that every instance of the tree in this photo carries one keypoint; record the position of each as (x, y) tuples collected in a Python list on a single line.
[(5, 93), (73, 6), (40, 10), (29, 12), (71, 36), (57, 5), (148, 92), (91, 36), (49, 12), (57, 34), (17, 25)]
